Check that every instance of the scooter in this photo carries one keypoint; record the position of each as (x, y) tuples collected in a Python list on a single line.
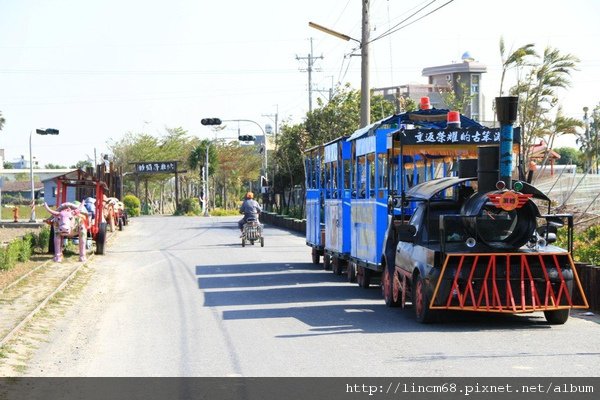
[(252, 231)]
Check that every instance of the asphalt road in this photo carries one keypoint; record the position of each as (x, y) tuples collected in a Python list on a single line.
[(179, 296)]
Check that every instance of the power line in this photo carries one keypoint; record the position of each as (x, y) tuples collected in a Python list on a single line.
[(389, 32), (404, 20), (144, 72)]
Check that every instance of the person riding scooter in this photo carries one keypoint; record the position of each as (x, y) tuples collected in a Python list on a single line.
[(250, 208)]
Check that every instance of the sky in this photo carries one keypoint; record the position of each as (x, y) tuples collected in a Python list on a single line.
[(96, 70)]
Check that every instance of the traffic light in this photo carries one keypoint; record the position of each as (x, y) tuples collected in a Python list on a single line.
[(246, 138), (210, 121), (48, 131)]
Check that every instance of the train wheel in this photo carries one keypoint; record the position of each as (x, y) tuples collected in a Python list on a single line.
[(327, 262), (557, 317), (421, 300), (336, 266), (387, 288), (351, 272), (363, 277), (315, 256), (101, 238)]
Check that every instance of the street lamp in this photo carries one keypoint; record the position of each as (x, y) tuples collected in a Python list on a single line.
[(39, 132)]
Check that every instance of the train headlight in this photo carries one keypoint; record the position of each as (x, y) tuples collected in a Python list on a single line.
[(471, 242), (518, 186), (542, 242)]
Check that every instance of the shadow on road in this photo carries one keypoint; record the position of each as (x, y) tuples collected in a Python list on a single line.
[(328, 304)]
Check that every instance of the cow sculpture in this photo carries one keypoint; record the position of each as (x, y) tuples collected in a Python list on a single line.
[(69, 221), (109, 210)]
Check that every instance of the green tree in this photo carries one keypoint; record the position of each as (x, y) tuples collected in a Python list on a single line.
[(174, 145), (54, 166), (197, 157), (538, 93), (237, 165), (7, 165), (588, 139), (338, 117), (407, 104), (294, 139), (2, 121), (83, 164), (341, 115), (568, 155), (458, 100)]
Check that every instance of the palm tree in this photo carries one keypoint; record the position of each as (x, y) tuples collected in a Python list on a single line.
[(538, 96), (517, 59)]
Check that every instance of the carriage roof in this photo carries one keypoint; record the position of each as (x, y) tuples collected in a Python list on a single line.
[(422, 119)]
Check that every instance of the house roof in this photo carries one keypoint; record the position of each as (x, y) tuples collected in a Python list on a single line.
[(538, 151), (20, 186), (75, 174)]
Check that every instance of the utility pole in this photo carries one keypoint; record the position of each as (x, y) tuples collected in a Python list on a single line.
[(310, 59), (328, 91), (365, 91)]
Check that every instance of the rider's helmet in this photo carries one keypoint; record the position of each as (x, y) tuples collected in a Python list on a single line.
[(249, 195)]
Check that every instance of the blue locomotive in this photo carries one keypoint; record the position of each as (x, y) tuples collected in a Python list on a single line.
[(424, 203)]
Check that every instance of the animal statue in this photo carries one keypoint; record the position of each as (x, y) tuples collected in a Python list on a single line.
[(109, 210), (69, 221)]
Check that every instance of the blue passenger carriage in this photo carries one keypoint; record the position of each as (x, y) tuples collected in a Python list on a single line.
[(315, 196), (338, 177)]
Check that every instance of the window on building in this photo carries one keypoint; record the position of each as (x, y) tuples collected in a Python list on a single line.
[(474, 84)]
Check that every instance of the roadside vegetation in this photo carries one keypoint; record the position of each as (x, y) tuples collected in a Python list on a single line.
[(21, 249)]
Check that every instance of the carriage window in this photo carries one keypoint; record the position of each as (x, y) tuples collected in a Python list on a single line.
[(361, 175), (321, 172), (307, 172), (382, 171), (314, 172), (333, 176), (371, 175), (347, 174)]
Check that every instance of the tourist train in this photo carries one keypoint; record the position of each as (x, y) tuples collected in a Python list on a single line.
[(428, 205)]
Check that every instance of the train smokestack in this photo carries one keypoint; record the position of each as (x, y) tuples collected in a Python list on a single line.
[(506, 110)]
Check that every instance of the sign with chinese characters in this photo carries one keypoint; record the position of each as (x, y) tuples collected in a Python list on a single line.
[(477, 136), (156, 167)]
